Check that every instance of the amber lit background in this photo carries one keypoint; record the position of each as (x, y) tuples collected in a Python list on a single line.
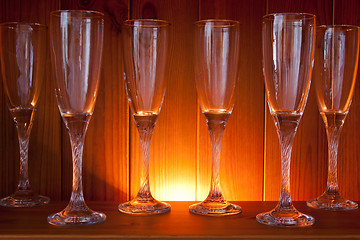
[(180, 151)]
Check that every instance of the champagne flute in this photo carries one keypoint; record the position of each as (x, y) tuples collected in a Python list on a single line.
[(76, 47), (145, 49), (336, 63), (23, 50), (288, 52), (216, 66)]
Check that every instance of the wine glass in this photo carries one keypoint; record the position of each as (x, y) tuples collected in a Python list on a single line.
[(145, 49), (23, 51), (76, 45), (336, 63), (216, 67), (288, 52)]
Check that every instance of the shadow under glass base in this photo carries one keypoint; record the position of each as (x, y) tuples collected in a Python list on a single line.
[(333, 202), (292, 218), (24, 199), (214, 208), (76, 218), (144, 207)]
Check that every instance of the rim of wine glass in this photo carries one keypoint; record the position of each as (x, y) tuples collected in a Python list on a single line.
[(11, 25), (226, 22), (90, 13), (304, 16), (339, 26), (146, 23)]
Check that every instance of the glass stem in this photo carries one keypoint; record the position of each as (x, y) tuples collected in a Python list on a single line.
[(23, 131), (216, 129), (333, 136), (77, 130), (286, 129), (145, 132), (286, 149)]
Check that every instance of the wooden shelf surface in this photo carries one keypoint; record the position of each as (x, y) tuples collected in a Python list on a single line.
[(30, 223)]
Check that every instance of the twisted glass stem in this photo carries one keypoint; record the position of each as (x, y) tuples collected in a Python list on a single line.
[(145, 129), (333, 135), (77, 130), (286, 142), (23, 131), (216, 129), (286, 125)]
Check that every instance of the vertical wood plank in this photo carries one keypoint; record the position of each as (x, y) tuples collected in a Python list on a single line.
[(347, 12), (173, 146), (45, 144), (105, 163), (242, 148), (309, 156)]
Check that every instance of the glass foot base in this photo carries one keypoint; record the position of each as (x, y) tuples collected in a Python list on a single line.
[(279, 219), (144, 207), (211, 208), (76, 218), (333, 202), (24, 199)]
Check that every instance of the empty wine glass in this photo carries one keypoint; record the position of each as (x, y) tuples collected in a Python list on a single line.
[(145, 49), (288, 52), (216, 67), (336, 63), (76, 45), (23, 51)]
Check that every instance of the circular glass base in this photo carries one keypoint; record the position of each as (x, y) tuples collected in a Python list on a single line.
[(144, 207), (333, 202), (24, 199), (286, 219), (76, 218), (211, 208)]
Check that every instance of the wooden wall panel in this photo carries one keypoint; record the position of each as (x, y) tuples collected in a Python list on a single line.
[(309, 157), (242, 148), (180, 158), (45, 147), (347, 12), (173, 147), (105, 163)]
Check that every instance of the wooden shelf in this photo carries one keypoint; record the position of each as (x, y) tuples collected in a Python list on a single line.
[(179, 223)]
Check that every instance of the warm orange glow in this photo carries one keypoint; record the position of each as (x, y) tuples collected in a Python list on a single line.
[(203, 192), (176, 191)]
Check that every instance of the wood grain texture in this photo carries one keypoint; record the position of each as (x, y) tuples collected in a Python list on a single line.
[(179, 224), (309, 156), (173, 146), (45, 147), (105, 159), (242, 148), (347, 12)]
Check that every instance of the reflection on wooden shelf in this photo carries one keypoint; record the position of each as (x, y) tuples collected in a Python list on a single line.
[(30, 223)]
